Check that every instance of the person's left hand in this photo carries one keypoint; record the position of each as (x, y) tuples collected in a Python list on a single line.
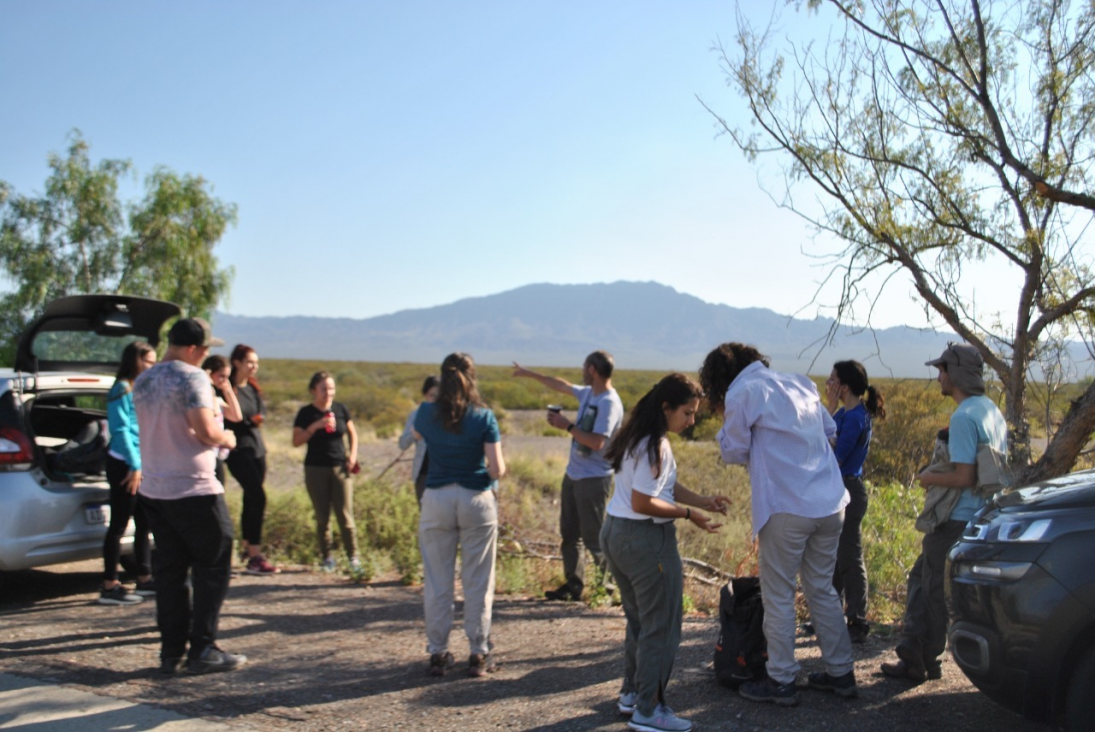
[(132, 482), (557, 420), (704, 522)]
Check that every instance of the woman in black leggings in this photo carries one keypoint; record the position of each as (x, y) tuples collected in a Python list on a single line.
[(247, 462), (123, 472)]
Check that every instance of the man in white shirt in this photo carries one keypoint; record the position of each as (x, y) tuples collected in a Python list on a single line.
[(588, 480), (776, 425)]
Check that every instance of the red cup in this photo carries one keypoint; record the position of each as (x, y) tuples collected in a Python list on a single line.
[(330, 417)]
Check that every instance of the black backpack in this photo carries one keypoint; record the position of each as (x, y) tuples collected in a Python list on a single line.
[(84, 454), (741, 651)]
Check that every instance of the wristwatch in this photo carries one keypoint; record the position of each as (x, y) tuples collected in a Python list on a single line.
[(571, 426)]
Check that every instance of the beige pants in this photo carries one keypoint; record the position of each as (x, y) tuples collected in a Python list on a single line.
[(452, 516), (331, 488)]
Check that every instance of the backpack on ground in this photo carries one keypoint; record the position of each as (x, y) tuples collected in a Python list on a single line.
[(742, 650)]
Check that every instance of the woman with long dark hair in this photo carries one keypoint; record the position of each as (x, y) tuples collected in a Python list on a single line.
[(854, 403), (459, 509), (325, 425), (228, 407), (639, 539), (123, 473), (247, 461)]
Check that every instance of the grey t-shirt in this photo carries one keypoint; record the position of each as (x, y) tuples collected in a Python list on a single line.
[(601, 414), (174, 463)]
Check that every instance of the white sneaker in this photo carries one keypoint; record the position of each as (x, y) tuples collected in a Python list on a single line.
[(626, 702), (662, 720)]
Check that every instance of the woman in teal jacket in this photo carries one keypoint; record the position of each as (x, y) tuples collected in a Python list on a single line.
[(123, 472)]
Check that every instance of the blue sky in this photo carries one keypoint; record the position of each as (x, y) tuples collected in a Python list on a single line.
[(401, 155)]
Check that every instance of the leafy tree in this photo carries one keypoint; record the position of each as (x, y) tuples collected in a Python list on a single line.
[(940, 134), (78, 237)]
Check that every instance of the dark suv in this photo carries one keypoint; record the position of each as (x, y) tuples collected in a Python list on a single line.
[(53, 404), (1021, 592)]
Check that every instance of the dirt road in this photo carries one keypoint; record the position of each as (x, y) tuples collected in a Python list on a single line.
[(327, 655)]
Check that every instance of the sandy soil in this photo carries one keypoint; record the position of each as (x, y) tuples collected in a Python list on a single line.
[(326, 654)]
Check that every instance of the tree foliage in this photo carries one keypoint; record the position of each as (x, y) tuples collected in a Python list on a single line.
[(942, 134), (78, 237)]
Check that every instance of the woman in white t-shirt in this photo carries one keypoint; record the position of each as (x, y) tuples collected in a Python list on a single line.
[(639, 540)]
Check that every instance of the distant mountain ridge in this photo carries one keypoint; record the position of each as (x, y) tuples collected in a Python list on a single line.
[(645, 325)]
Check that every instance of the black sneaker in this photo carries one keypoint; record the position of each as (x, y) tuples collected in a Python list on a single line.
[(145, 589), (840, 685), (481, 664), (440, 663), (563, 594), (118, 595), (858, 632), (770, 690), (168, 666), (213, 660)]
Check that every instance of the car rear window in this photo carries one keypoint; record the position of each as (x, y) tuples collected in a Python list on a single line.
[(79, 347)]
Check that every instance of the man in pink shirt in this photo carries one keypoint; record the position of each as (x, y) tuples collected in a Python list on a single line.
[(184, 501)]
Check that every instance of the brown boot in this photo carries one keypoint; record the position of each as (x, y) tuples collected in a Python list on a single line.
[(911, 666)]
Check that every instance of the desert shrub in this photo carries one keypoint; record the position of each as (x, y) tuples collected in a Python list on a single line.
[(902, 443)]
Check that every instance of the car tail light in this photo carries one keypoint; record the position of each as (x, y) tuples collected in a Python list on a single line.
[(14, 447)]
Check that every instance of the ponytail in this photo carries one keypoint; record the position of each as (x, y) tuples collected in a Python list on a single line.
[(458, 391), (875, 403)]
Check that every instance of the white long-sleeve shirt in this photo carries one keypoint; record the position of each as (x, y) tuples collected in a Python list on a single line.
[(776, 425)]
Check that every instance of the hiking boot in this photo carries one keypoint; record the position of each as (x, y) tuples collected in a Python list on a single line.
[(258, 565), (118, 595), (145, 589), (481, 664), (626, 702), (770, 690), (440, 663), (662, 720), (214, 660), (564, 594), (910, 666), (329, 564), (858, 632), (840, 685), (934, 670)]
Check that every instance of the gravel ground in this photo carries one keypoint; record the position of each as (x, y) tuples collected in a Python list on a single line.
[(325, 654)]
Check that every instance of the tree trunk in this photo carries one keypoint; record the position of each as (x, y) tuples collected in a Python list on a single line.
[(1068, 443)]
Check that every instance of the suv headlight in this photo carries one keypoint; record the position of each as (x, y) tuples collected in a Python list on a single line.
[(1005, 530), (1024, 529)]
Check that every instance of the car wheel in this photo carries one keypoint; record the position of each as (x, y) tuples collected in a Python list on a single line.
[(1080, 703)]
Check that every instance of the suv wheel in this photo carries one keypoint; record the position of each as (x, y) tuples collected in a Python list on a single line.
[(1080, 704)]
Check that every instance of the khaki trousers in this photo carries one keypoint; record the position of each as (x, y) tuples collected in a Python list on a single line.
[(793, 546), (455, 516)]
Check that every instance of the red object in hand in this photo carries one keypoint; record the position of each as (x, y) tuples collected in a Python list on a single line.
[(330, 417), (257, 420), (356, 468)]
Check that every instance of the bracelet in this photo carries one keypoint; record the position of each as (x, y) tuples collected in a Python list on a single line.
[(571, 427), (687, 513)]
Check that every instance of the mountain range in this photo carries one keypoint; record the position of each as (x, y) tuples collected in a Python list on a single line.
[(645, 325)]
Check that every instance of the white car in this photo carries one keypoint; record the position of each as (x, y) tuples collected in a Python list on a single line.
[(54, 498)]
